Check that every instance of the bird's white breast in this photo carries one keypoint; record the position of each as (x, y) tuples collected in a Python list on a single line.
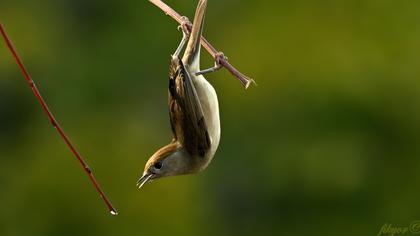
[(210, 105)]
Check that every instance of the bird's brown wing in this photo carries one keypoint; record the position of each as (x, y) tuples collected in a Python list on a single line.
[(186, 114)]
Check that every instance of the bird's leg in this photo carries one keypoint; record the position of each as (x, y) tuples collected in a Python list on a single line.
[(185, 35), (219, 56)]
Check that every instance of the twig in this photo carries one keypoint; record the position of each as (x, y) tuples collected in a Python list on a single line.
[(54, 122), (245, 81)]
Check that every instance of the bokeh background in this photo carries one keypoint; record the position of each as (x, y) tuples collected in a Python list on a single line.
[(327, 144)]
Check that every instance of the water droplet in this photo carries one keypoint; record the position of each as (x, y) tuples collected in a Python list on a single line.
[(114, 213)]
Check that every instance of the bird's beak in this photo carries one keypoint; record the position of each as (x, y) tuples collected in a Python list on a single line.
[(192, 52), (144, 179)]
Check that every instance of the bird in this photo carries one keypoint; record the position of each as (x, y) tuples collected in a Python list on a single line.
[(193, 110)]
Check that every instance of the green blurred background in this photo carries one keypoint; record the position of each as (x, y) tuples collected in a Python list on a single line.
[(327, 144)]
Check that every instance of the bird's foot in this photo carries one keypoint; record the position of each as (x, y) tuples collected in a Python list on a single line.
[(185, 25), (218, 58)]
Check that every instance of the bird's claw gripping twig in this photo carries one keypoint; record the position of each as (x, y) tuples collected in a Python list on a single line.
[(218, 58), (185, 25)]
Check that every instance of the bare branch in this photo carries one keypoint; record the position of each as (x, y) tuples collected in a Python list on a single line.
[(54, 122), (245, 81)]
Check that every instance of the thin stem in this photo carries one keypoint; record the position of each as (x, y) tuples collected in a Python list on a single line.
[(245, 81), (54, 122)]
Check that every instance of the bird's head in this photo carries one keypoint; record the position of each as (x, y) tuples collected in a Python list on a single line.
[(168, 161)]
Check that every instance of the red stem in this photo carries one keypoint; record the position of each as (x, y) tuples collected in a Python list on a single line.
[(245, 81), (54, 122)]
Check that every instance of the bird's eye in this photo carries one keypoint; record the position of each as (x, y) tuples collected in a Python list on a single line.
[(158, 165)]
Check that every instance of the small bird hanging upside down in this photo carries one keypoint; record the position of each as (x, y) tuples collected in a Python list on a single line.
[(193, 110)]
